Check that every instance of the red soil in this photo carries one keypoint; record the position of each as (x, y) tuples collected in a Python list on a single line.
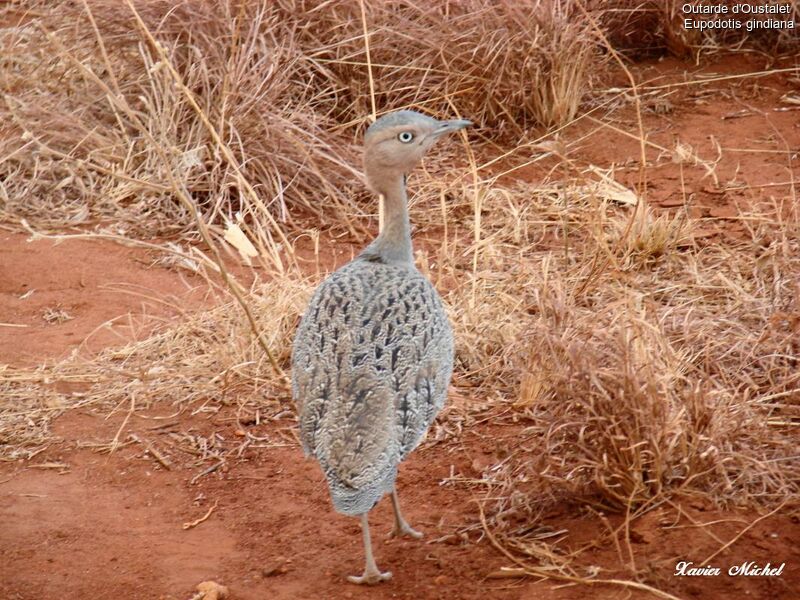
[(58, 297), (79, 524), (742, 127)]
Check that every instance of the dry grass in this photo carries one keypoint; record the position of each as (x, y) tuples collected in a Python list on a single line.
[(642, 357), (652, 26), (655, 386), (674, 371), (96, 125), (208, 361), (95, 135), (506, 64)]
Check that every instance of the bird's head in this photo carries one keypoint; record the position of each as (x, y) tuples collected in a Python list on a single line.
[(395, 144)]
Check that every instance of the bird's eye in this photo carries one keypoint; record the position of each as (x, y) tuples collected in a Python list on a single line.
[(405, 136)]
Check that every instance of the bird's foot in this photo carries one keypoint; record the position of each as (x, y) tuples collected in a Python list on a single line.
[(370, 577), (402, 528)]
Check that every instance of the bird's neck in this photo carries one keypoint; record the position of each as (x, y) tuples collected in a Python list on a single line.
[(393, 244)]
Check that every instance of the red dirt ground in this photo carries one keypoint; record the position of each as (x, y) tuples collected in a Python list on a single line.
[(107, 293), (85, 525)]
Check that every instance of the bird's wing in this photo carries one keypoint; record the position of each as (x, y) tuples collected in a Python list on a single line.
[(371, 365), (424, 365), (343, 392)]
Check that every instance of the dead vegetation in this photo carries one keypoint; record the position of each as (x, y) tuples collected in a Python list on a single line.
[(97, 125), (640, 27), (641, 359), (668, 373)]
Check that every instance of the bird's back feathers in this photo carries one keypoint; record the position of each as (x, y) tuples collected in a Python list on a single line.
[(372, 361)]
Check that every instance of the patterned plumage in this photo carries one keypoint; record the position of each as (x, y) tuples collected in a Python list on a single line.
[(372, 362), (373, 353)]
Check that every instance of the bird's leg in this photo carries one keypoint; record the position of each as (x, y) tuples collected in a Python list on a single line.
[(372, 574), (401, 527)]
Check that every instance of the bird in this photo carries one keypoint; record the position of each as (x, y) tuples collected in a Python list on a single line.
[(373, 352)]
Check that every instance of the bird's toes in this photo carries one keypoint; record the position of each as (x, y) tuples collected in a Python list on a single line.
[(406, 530), (370, 578)]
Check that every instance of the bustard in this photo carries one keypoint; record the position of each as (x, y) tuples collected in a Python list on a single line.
[(373, 353)]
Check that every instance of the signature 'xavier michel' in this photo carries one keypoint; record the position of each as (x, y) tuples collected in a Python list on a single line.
[(373, 354)]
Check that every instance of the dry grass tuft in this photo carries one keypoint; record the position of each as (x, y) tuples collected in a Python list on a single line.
[(652, 26), (505, 64), (97, 125), (649, 236), (672, 371), (110, 134)]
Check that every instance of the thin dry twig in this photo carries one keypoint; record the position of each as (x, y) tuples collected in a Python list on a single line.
[(735, 538), (196, 522), (153, 451), (525, 570)]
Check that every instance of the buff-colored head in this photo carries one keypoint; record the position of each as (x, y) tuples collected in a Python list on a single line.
[(395, 144)]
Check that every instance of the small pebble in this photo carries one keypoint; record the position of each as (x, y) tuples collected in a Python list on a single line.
[(276, 567)]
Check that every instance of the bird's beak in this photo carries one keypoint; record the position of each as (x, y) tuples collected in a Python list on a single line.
[(448, 126)]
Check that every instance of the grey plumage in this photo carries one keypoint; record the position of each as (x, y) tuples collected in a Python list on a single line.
[(372, 361), (399, 117), (373, 353)]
